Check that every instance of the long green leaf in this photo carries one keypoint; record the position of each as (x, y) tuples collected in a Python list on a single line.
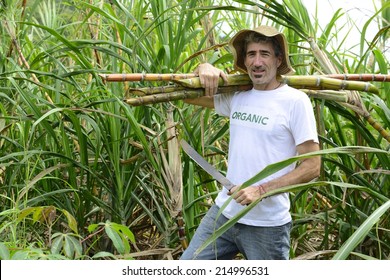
[(361, 232)]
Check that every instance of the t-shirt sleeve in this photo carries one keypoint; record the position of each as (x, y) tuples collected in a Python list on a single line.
[(302, 121), (222, 104)]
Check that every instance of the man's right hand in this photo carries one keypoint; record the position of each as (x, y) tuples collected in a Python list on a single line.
[(209, 76)]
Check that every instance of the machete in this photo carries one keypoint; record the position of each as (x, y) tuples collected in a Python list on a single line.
[(192, 153)]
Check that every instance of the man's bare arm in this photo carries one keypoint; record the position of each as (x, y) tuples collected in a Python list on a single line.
[(307, 170)]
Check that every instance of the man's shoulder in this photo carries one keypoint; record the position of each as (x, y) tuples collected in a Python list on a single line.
[(294, 93)]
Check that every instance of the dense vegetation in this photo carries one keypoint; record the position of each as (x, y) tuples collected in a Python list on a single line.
[(84, 175)]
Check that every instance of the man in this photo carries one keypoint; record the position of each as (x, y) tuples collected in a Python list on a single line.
[(269, 123)]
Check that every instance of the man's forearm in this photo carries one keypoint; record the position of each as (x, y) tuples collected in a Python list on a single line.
[(204, 101), (306, 171)]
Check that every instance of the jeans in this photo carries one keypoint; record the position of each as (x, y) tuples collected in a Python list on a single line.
[(255, 243)]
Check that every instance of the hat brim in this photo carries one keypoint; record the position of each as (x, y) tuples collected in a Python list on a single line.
[(237, 47)]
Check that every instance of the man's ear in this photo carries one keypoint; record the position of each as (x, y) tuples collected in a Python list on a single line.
[(280, 60)]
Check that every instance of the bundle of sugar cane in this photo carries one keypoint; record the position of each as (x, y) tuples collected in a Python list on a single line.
[(191, 88), (323, 87), (173, 88), (183, 85), (300, 82), (232, 80), (178, 94), (183, 93), (343, 82), (140, 77), (166, 97), (154, 90)]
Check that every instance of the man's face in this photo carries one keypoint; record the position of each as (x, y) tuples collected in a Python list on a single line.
[(262, 65)]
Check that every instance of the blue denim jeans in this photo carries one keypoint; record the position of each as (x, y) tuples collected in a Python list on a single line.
[(255, 243)]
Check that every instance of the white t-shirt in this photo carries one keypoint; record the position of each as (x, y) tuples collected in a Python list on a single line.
[(265, 127)]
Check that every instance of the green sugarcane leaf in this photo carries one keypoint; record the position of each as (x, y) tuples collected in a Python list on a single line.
[(357, 237)]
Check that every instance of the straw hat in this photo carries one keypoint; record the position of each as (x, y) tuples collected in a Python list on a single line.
[(238, 41)]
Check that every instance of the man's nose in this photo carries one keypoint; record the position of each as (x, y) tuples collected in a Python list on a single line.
[(258, 61)]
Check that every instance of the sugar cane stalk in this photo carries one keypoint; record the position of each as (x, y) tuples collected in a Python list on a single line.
[(154, 90), (170, 96), (139, 77), (337, 96), (377, 126), (320, 82), (361, 77)]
